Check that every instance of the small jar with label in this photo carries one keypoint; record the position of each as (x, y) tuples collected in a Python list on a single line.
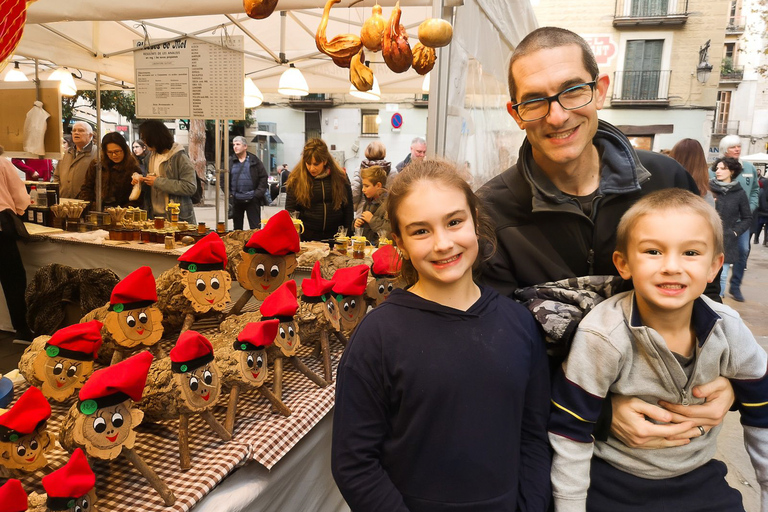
[(201, 229), (341, 244), (358, 247), (159, 223), (170, 243), (221, 227)]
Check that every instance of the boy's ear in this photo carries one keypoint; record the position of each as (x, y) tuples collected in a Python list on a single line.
[(717, 263), (620, 262)]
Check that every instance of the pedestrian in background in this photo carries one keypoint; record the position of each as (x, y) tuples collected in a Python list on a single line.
[(247, 185), (691, 156)]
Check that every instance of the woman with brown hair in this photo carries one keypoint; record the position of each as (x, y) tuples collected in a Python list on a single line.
[(319, 190), (117, 167), (691, 156)]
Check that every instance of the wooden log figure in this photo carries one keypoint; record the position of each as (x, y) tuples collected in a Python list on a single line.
[(386, 275), (268, 259), (184, 384), (104, 420), (24, 439), (60, 364), (13, 497), (72, 487), (244, 366), (282, 306), (319, 313), (133, 321), (205, 278), (349, 290)]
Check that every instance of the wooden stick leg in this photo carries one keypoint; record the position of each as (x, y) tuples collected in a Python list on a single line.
[(340, 336), (185, 461), (299, 365), (215, 425), (276, 402), (326, 351), (154, 480), (188, 321), (117, 356), (229, 422), (277, 379), (241, 302)]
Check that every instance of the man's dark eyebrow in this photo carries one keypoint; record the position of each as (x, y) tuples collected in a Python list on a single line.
[(563, 86)]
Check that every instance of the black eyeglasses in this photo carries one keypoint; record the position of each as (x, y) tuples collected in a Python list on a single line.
[(570, 99)]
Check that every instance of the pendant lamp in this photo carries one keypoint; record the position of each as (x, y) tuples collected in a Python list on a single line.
[(252, 96), (67, 85), (15, 74), (373, 95), (292, 83)]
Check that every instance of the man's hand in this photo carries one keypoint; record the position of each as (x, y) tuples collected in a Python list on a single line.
[(631, 428), (719, 399)]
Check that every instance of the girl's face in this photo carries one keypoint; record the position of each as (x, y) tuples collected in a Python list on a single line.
[(722, 173), (370, 190), (137, 149), (115, 153), (315, 168), (437, 233)]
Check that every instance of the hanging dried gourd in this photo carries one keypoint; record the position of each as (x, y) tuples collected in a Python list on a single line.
[(395, 49), (372, 32), (435, 32), (259, 9), (342, 47), (360, 75), (423, 58)]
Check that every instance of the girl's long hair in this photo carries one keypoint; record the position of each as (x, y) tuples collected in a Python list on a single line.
[(300, 182), (447, 174), (691, 156)]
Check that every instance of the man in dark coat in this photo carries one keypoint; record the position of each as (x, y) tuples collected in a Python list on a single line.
[(247, 185)]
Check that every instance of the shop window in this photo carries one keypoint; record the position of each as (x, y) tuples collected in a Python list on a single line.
[(369, 122)]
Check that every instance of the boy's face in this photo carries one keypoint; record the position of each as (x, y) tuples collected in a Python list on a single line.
[(370, 190), (670, 258)]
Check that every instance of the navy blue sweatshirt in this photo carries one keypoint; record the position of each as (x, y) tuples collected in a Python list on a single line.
[(443, 410)]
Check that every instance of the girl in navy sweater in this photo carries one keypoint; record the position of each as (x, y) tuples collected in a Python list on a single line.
[(442, 395)]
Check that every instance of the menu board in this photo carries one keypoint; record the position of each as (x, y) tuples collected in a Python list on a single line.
[(190, 79)]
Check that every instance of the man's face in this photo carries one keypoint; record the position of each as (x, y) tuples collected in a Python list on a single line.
[(418, 151), (80, 136), (239, 148), (563, 138), (734, 152)]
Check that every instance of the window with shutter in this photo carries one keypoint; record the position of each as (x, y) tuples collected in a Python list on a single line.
[(642, 69)]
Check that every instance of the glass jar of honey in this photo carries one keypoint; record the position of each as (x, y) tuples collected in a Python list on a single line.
[(358, 247)]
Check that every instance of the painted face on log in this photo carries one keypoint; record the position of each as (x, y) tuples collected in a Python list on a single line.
[(85, 503), (331, 311), (253, 366), (200, 388), (133, 327), (351, 310), (105, 432), (27, 452), (207, 290), (288, 337), (379, 289), (264, 273), (61, 376)]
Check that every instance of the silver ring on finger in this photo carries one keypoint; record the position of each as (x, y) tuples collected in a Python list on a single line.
[(701, 429)]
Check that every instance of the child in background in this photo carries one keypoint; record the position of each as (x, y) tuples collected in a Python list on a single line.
[(658, 342), (374, 217), (442, 394)]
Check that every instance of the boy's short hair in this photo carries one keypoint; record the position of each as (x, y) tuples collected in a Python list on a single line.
[(375, 174), (665, 200)]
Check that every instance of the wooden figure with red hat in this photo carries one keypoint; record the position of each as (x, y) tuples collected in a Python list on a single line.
[(386, 275), (268, 259), (244, 365), (205, 278), (60, 364), (133, 320), (13, 498), (104, 419), (349, 291), (182, 385), (24, 439), (282, 306), (72, 487), (318, 315)]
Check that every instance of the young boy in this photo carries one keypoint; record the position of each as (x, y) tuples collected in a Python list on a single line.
[(374, 216), (658, 342)]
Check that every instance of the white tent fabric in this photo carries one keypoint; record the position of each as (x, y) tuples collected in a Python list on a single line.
[(757, 157)]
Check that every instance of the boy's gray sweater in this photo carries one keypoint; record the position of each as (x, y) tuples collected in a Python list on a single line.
[(613, 352)]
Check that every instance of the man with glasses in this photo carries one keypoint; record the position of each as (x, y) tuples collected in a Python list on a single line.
[(556, 210), (71, 170)]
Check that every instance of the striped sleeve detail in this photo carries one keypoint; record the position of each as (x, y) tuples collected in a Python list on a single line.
[(574, 411), (752, 400)]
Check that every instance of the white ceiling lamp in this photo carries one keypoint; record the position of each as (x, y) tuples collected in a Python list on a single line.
[(425, 83), (252, 96), (15, 74), (373, 95), (292, 83), (67, 85)]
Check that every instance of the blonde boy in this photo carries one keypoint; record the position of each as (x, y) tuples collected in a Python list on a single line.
[(658, 342), (373, 219)]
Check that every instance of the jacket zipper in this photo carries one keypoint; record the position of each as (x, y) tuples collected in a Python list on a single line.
[(325, 207)]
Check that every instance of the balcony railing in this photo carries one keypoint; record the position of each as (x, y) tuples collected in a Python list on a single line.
[(733, 74), (650, 12), (641, 87), (726, 128), (735, 25)]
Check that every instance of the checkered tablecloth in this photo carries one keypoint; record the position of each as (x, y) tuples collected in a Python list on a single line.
[(260, 435)]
